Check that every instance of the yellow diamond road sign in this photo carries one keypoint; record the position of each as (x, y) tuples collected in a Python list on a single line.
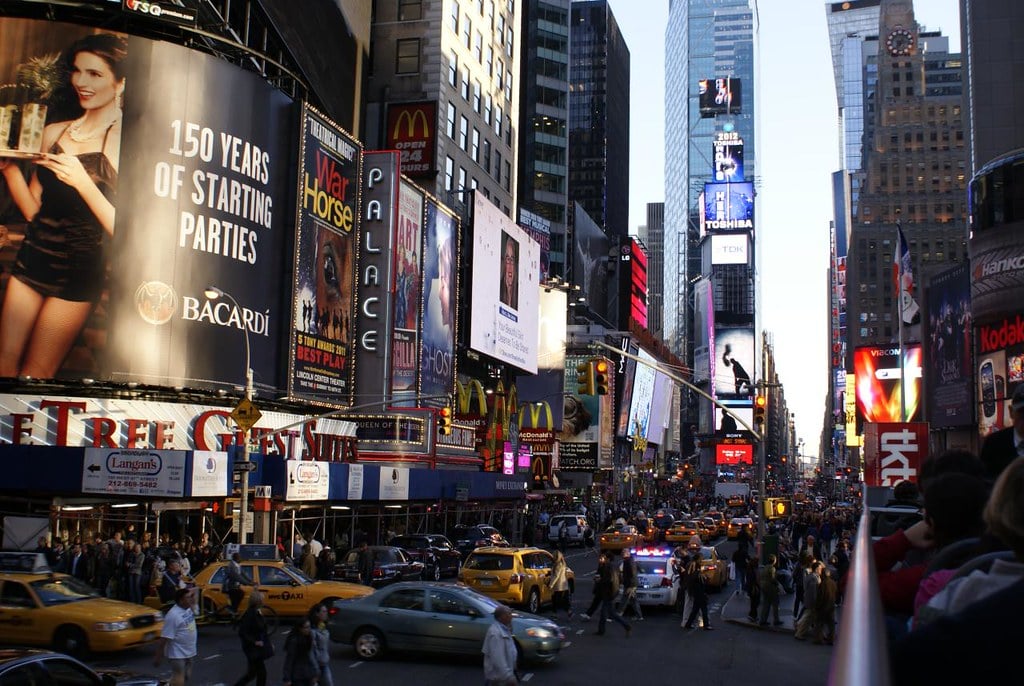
[(246, 414)]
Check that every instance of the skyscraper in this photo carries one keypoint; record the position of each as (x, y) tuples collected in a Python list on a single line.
[(599, 116), (704, 39), (544, 113), (653, 236), (449, 64)]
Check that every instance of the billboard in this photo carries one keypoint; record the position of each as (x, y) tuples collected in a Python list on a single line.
[(726, 425), (505, 288), (733, 362), (949, 360), (661, 405), (643, 393), (730, 248), (877, 372), (552, 336), (412, 129), (374, 279), (440, 276), (408, 286), (330, 166), (728, 206), (727, 157), (1000, 371), (894, 452), (740, 453), (585, 441), (635, 258), (719, 96), (589, 256), (180, 191)]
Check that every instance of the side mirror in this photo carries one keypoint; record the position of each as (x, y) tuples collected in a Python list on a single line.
[(475, 613), (295, 583)]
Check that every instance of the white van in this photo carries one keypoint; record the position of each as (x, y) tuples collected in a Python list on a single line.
[(576, 526)]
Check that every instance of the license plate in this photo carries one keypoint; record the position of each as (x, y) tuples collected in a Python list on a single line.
[(486, 582), (642, 596), (149, 636)]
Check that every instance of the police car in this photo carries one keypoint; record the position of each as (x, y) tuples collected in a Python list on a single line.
[(656, 579)]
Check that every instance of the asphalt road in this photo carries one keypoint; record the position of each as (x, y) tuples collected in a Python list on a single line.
[(659, 652)]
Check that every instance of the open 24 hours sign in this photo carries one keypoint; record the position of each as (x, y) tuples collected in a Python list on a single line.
[(159, 473)]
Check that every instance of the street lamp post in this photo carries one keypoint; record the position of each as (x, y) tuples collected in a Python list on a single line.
[(213, 293)]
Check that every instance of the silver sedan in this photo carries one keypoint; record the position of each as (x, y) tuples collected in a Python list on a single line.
[(430, 617)]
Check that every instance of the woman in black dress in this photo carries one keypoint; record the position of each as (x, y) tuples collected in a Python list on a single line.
[(69, 203)]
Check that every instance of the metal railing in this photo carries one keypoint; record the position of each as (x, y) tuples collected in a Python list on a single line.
[(861, 656)]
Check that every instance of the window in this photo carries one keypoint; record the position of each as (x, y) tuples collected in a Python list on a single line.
[(462, 179), (510, 41), (405, 599), (498, 115), (499, 27), (451, 121), (454, 21), (465, 84), (67, 673), (449, 173), (407, 56), (16, 595), (463, 132), (489, 61), (508, 86), (467, 32), (487, 108), (453, 69), (508, 176), (447, 603), (486, 161), (474, 151), (272, 576), (410, 10), (478, 47), (499, 74), (497, 165), (476, 96)]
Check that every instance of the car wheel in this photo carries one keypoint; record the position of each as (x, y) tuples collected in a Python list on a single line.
[(533, 601), (72, 641), (369, 643)]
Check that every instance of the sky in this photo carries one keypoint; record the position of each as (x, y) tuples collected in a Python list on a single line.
[(798, 150)]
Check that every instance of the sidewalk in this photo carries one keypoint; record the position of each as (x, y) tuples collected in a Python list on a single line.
[(736, 608)]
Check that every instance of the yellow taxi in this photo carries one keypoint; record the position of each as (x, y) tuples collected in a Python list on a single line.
[(619, 536), (682, 532), (514, 576), (41, 607), (713, 568), (285, 588), (648, 531), (710, 526), (737, 524), (720, 520)]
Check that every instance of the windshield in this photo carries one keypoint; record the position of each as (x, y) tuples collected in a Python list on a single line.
[(298, 574), (61, 590), (490, 605), (489, 563)]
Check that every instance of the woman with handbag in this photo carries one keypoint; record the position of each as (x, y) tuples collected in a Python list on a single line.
[(321, 642), (256, 645)]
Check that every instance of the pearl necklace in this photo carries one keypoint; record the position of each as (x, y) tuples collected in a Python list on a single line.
[(74, 131)]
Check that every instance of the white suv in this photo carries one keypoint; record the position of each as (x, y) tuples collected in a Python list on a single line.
[(576, 526)]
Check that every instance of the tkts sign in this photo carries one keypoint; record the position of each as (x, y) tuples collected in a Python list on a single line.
[(412, 129), (893, 452)]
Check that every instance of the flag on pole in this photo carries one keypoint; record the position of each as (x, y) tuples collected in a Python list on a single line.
[(903, 275)]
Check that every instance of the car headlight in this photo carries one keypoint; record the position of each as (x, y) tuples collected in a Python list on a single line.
[(110, 626), (540, 632)]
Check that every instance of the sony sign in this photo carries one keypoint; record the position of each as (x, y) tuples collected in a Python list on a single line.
[(374, 263)]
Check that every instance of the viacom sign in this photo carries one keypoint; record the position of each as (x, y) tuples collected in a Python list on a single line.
[(411, 130), (165, 11)]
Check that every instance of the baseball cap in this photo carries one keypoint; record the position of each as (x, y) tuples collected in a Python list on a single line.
[(1018, 398)]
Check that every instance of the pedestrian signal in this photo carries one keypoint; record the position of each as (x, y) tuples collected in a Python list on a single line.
[(777, 508), (585, 378), (601, 369), (444, 421)]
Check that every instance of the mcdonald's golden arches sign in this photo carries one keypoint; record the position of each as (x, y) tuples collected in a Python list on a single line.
[(412, 129)]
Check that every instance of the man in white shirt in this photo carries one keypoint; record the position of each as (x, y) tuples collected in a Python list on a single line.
[(178, 638), (500, 651)]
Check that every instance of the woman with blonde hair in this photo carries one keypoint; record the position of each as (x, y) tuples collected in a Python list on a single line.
[(559, 585)]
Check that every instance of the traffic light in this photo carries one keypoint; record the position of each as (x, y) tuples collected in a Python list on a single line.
[(585, 378), (601, 368), (444, 421), (760, 406), (777, 508), (783, 458)]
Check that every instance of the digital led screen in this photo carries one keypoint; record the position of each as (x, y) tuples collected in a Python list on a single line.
[(728, 160), (730, 248), (734, 454), (877, 372), (728, 206), (719, 96)]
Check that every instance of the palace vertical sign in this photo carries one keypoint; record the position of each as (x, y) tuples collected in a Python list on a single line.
[(374, 281)]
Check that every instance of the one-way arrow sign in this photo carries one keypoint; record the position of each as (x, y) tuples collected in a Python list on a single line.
[(244, 466), (94, 468)]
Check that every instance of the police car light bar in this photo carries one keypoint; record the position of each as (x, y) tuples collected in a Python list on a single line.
[(651, 552)]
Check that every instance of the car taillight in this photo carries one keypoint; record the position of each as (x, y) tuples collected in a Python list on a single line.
[(332, 610), (515, 579), (378, 572), (482, 542), (666, 582)]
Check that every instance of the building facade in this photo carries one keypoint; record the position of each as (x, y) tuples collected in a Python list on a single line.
[(653, 236)]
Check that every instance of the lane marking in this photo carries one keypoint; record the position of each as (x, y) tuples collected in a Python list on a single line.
[(527, 676), (354, 665), (579, 632), (211, 657), (567, 644)]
